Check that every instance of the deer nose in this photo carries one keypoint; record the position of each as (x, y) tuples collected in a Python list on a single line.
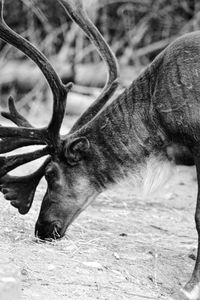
[(48, 230)]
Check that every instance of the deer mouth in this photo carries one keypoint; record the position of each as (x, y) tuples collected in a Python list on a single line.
[(49, 231), (54, 230)]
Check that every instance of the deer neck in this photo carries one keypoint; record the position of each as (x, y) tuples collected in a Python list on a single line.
[(125, 133)]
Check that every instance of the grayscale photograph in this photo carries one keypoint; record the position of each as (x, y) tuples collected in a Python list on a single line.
[(99, 149)]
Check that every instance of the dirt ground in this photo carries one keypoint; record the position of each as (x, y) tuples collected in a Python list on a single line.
[(121, 247)]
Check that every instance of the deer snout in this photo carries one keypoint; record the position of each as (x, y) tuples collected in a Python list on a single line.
[(46, 230)]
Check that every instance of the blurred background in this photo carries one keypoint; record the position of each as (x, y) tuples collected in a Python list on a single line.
[(136, 30)]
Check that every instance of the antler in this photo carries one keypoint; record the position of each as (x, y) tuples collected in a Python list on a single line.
[(59, 90), (49, 135), (8, 163), (77, 13), (25, 134), (9, 144), (15, 137), (21, 190)]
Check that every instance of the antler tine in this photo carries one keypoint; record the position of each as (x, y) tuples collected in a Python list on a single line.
[(58, 89), (21, 190), (14, 116), (8, 144), (11, 162), (77, 13)]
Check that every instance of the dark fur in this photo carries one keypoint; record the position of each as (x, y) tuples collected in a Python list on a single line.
[(158, 108)]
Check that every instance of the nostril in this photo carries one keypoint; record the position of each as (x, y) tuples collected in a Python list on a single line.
[(55, 232)]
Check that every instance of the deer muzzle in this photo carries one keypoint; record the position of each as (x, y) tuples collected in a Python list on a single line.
[(46, 230)]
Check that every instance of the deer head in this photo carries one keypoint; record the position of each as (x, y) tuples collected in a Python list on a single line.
[(67, 169)]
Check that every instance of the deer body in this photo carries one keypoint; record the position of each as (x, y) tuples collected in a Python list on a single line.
[(160, 106), (108, 142), (177, 89)]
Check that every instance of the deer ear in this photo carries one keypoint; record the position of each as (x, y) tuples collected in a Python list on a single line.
[(75, 150)]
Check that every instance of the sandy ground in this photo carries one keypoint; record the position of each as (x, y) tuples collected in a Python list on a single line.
[(121, 247)]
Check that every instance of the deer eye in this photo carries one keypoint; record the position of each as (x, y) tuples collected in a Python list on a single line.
[(50, 174)]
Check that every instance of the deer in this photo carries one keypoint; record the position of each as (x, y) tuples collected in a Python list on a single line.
[(112, 139)]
